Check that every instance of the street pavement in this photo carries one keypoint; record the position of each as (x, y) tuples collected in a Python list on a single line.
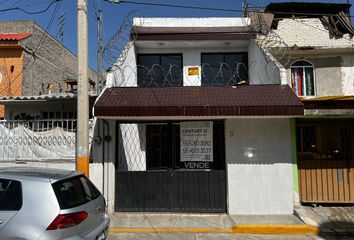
[(219, 236)]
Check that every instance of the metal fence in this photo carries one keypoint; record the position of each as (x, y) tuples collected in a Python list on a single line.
[(37, 140)]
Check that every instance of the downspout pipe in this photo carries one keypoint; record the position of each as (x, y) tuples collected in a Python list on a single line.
[(105, 138)]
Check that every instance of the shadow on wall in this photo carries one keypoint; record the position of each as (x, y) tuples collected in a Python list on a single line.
[(336, 230)]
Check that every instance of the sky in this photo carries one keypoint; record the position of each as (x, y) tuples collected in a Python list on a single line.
[(113, 15)]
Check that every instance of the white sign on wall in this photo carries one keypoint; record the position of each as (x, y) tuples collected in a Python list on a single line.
[(196, 141)]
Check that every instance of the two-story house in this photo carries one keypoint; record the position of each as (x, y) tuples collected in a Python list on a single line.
[(316, 53), (196, 117)]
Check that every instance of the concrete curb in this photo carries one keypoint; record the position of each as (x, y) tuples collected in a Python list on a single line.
[(272, 229)]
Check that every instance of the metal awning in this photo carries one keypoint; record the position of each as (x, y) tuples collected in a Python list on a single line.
[(212, 101), (40, 98)]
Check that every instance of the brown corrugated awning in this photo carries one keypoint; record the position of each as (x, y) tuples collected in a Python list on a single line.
[(253, 100), (192, 33)]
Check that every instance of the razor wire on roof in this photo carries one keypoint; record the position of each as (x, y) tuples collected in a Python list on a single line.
[(118, 44), (117, 50), (273, 47), (174, 75)]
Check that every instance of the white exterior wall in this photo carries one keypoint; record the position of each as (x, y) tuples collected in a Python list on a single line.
[(259, 169), (124, 73), (309, 32), (263, 68), (348, 74), (102, 170), (132, 147)]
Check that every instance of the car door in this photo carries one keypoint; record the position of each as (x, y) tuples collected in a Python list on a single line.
[(10, 201)]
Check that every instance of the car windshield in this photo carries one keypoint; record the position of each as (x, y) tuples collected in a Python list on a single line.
[(74, 192)]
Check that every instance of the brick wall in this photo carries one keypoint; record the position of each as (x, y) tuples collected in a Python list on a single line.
[(52, 62), (309, 32)]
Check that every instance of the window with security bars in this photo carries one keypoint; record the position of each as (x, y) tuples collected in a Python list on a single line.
[(160, 70), (302, 78), (156, 146), (224, 68), (325, 139)]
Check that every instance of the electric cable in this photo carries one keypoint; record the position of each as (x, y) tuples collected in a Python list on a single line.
[(36, 48), (28, 12), (212, 9)]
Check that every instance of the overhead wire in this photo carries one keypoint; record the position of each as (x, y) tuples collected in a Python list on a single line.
[(211, 8), (36, 48), (29, 12), (12, 6)]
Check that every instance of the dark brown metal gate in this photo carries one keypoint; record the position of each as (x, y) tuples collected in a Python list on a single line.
[(325, 161), (162, 184)]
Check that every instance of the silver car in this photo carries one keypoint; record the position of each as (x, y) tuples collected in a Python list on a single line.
[(50, 204)]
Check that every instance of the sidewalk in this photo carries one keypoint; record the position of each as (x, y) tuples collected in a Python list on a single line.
[(209, 223), (330, 220)]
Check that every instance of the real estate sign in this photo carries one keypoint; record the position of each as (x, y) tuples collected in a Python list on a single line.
[(196, 141)]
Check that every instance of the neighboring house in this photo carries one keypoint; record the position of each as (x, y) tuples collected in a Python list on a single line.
[(317, 54), (35, 68), (38, 97), (196, 117)]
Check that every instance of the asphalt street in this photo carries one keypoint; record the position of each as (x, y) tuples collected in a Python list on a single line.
[(203, 236)]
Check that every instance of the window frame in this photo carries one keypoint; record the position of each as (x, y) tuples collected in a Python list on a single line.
[(293, 66), (21, 194), (244, 53), (173, 159), (159, 55)]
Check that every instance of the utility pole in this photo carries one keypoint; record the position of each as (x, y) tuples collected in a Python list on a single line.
[(100, 53), (82, 135)]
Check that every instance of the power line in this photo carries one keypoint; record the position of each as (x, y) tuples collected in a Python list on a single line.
[(28, 12), (13, 5), (213, 9), (36, 49), (176, 6)]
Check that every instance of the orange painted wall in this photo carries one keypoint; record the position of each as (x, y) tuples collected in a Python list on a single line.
[(11, 83)]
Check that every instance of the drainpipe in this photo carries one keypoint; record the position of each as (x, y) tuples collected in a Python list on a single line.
[(105, 138)]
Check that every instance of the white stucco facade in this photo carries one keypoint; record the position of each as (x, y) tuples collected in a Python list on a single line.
[(259, 169), (262, 67), (348, 74)]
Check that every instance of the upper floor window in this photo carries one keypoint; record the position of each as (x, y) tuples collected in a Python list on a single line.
[(160, 70), (302, 78), (224, 68)]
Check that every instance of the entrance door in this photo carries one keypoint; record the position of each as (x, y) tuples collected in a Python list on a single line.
[(151, 176), (325, 161)]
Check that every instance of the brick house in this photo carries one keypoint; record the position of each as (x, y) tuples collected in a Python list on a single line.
[(34, 63)]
